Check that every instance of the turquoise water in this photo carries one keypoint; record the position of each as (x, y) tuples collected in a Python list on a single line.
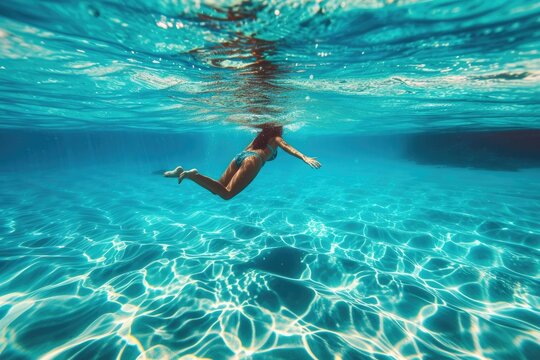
[(418, 238)]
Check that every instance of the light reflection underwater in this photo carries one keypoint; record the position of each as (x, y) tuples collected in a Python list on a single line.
[(435, 270)]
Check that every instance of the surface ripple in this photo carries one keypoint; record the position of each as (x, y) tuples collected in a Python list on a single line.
[(372, 66)]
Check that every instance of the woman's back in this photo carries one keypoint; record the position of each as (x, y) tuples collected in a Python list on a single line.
[(268, 152)]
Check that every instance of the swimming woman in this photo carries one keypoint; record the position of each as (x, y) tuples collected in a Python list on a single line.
[(246, 165)]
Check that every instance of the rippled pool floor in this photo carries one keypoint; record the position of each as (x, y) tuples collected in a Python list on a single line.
[(394, 261)]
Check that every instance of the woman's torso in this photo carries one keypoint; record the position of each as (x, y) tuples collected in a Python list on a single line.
[(269, 152)]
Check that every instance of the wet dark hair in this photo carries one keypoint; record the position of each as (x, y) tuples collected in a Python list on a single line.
[(268, 131)]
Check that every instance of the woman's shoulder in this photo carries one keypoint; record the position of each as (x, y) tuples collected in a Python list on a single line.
[(274, 141), (277, 141)]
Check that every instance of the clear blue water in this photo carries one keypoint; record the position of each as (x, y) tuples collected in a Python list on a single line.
[(419, 237)]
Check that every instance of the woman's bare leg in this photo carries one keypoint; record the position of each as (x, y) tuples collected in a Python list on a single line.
[(228, 174), (224, 179), (215, 187), (243, 176)]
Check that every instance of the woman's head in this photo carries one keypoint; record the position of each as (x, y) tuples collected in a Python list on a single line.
[(268, 131)]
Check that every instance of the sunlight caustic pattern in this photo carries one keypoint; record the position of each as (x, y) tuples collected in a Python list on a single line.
[(377, 271)]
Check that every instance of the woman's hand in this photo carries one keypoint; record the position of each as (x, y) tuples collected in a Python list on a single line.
[(312, 162)]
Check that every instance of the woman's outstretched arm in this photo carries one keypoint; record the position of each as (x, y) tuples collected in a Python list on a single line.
[(311, 161)]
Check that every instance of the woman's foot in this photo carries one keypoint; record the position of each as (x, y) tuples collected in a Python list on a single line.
[(187, 174), (174, 173)]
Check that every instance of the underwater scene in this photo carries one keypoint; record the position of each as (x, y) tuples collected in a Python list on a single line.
[(367, 180)]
